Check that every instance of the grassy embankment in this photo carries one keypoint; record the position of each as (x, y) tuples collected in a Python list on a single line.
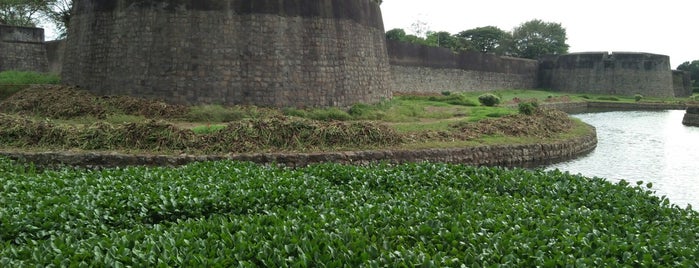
[(60, 118)]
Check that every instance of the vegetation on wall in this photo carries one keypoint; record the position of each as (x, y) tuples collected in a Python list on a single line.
[(529, 40)]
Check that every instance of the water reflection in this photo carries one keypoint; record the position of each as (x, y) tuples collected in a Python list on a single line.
[(652, 146)]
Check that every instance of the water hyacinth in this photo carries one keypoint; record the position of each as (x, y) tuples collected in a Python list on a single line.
[(242, 214)]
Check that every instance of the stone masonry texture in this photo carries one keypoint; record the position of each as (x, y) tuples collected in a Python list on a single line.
[(262, 52), (417, 68), (22, 49), (603, 73)]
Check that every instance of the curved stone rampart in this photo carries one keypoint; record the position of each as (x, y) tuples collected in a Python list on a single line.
[(526, 155), (262, 52), (619, 73), (691, 117)]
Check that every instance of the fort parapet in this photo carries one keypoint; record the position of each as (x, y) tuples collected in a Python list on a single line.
[(619, 73), (22, 49), (417, 68), (263, 52)]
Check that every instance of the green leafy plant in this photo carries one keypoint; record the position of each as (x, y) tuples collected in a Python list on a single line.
[(527, 108), (489, 99), (242, 214), (638, 97)]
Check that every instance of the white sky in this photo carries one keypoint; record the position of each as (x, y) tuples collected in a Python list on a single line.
[(669, 27)]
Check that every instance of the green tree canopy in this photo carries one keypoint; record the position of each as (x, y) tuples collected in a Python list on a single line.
[(22, 12), (445, 39), (489, 39), (396, 34), (693, 69), (536, 38)]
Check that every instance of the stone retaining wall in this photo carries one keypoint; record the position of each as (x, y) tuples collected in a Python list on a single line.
[(691, 117), (528, 155)]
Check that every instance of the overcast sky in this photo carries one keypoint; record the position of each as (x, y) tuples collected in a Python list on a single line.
[(667, 27)]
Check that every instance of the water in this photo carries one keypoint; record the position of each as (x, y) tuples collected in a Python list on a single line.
[(648, 146)]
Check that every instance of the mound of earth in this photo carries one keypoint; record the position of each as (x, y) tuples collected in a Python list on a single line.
[(64, 102)]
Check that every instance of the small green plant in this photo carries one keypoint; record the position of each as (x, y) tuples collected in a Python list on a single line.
[(446, 93), (527, 108), (208, 129), (489, 99), (638, 97), (585, 97)]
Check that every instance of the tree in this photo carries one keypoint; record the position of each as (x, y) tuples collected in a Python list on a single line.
[(22, 12), (489, 39), (59, 13), (444, 39), (396, 34), (536, 38), (420, 28), (693, 69)]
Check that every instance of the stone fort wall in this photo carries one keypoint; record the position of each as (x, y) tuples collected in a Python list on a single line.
[(618, 73), (22, 49), (417, 68), (263, 52)]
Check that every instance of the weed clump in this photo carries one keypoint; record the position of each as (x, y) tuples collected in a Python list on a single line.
[(489, 100), (543, 123), (285, 133), (527, 108)]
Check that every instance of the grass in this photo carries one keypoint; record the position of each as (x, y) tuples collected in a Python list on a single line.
[(12, 82), (421, 120), (208, 129)]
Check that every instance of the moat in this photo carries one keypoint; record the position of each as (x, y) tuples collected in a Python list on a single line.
[(648, 146)]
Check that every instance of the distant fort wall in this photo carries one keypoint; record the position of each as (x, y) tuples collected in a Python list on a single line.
[(417, 68), (263, 52), (22, 49), (618, 73), (296, 53)]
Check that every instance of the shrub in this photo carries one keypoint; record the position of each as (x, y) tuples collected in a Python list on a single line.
[(489, 99), (638, 97), (527, 108), (446, 93)]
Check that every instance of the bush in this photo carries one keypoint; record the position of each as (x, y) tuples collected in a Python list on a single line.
[(489, 99), (638, 97), (528, 108), (446, 93)]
